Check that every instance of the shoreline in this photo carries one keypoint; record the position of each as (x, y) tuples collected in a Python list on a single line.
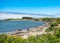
[(34, 31), (19, 30), (23, 28)]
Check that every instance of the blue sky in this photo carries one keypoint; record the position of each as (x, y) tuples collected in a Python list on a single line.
[(31, 6)]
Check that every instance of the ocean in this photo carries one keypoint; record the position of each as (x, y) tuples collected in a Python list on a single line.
[(8, 26)]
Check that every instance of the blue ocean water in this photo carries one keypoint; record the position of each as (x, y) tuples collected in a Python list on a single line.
[(6, 26)]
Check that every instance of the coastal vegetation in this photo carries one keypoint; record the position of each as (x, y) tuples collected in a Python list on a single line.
[(52, 33), (45, 38)]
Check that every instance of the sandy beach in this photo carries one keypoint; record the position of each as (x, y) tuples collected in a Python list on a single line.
[(34, 31)]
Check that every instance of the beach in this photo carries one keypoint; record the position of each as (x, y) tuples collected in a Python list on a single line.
[(34, 31)]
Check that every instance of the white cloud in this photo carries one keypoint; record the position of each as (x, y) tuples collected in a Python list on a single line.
[(6, 16)]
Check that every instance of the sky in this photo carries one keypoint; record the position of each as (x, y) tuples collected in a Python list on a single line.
[(31, 6)]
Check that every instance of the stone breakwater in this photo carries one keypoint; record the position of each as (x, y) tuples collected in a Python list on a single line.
[(30, 31)]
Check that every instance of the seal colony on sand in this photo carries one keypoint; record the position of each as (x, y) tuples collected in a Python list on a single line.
[(30, 31)]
